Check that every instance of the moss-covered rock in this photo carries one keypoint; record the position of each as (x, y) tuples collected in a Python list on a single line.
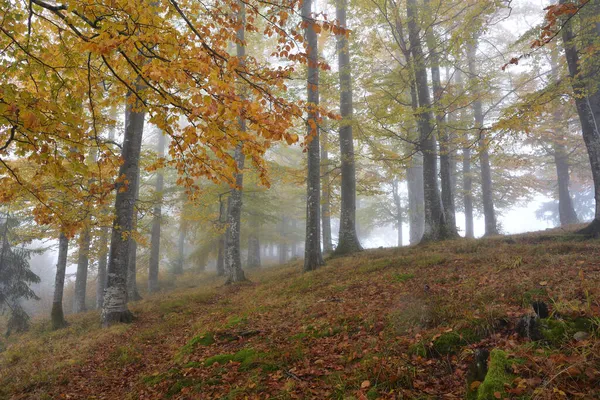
[(497, 377), (557, 332)]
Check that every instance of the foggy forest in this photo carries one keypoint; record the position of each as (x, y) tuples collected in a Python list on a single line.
[(300, 199)]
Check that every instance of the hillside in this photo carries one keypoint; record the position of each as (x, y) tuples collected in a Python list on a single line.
[(387, 323)]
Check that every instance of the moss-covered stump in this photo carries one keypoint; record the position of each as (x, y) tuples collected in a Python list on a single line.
[(499, 376)]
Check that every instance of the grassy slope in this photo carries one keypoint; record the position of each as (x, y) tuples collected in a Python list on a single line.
[(349, 330)]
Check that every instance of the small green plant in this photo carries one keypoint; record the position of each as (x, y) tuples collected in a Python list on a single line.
[(402, 277)]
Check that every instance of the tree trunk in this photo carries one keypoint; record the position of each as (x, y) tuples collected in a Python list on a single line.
[(221, 256), (398, 207), (313, 258), (491, 227), (104, 235), (114, 309), (348, 239), (253, 250), (326, 202), (283, 245), (443, 137), (82, 270), (416, 205), (178, 270), (436, 226), (467, 189), (566, 210), (132, 290), (101, 276), (156, 222), (233, 260), (587, 102), (57, 315)]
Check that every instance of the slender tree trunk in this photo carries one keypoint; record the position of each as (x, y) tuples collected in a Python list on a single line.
[(178, 270), (221, 256), (326, 190), (104, 235), (57, 315), (416, 201), (398, 206), (101, 277), (132, 290), (233, 260), (587, 102), (82, 270), (491, 227), (348, 239), (566, 210), (283, 236), (156, 222), (313, 258), (253, 250), (436, 226), (442, 130), (114, 309)]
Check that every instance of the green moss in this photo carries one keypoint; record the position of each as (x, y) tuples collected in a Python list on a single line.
[(205, 339), (372, 394), (236, 321), (557, 332), (246, 357), (446, 344), (497, 377)]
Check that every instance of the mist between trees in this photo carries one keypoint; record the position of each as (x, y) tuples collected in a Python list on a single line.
[(141, 141)]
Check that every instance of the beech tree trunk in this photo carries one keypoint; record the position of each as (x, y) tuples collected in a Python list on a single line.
[(178, 270), (566, 210), (326, 193), (443, 137), (132, 290), (436, 226), (82, 270), (114, 309), (491, 227), (587, 101), (221, 256), (416, 201), (253, 250), (283, 238), (313, 257), (398, 208), (57, 315), (348, 239), (156, 222), (104, 235), (233, 260)]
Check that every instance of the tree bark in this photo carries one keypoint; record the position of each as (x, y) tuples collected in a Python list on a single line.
[(313, 258), (57, 315), (587, 102), (326, 193), (416, 201), (253, 251), (156, 222), (104, 235), (178, 270), (114, 309), (132, 290), (82, 270), (283, 245), (398, 207), (348, 239), (443, 137), (436, 226), (233, 260), (491, 227), (221, 256), (566, 210)]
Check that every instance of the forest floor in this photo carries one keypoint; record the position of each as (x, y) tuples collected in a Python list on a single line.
[(382, 324)]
